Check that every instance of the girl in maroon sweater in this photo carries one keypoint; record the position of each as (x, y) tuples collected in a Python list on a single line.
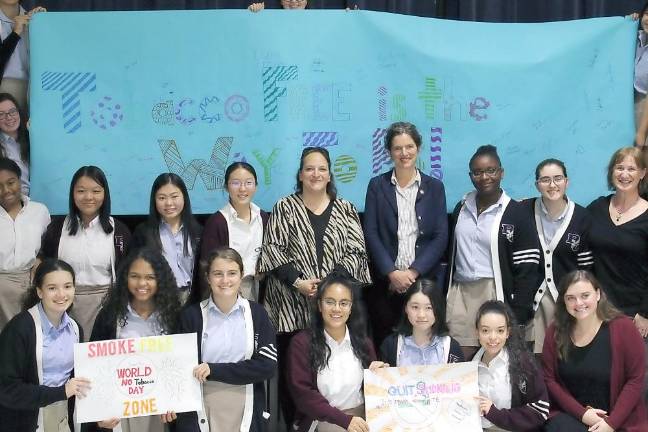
[(326, 362), (593, 359)]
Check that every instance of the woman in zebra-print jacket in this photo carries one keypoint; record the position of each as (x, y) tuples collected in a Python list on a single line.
[(310, 234)]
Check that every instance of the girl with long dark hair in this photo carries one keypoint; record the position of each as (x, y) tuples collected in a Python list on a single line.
[(173, 231), (512, 393), (14, 137), (326, 362), (90, 240), (37, 356)]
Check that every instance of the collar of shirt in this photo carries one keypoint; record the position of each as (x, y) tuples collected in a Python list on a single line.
[(548, 216), (165, 226), (132, 312), (643, 38), (409, 341), (92, 226), (232, 214), (470, 201), (333, 344), (47, 326), (238, 306), (415, 180), (500, 360), (5, 19)]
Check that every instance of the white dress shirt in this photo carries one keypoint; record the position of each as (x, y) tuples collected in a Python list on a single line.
[(20, 239), (494, 381), (245, 238), (340, 382), (407, 223), (90, 252)]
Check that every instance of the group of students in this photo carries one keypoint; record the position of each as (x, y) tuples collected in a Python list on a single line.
[(513, 268)]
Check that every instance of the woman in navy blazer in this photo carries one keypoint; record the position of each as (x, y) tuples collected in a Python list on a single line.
[(406, 228)]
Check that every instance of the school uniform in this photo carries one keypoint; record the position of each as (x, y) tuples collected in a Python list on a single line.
[(396, 346), (234, 393), (24, 398)]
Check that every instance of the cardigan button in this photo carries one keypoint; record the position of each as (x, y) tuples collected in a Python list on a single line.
[(549, 280), (548, 265), (548, 251), (202, 421)]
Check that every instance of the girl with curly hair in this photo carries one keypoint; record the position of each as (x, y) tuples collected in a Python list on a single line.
[(144, 302), (513, 396)]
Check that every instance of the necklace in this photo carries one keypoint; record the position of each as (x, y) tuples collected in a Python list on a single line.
[(621, 212)]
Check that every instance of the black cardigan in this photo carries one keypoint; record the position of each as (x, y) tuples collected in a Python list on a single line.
[(21, 394)]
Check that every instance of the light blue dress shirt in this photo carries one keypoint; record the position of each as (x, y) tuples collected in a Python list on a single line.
[(136, 326), (412, 354), (58, 349), (224, 335), (173, 250)]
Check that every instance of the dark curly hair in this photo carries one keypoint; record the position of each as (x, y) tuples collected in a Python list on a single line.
[(515, 345), (167, 303), (46, 267), (320, 353), (23, 133)]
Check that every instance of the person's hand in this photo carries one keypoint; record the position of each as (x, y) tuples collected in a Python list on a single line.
[(168, 417), (633, 16), (307, 287), (400, 280), (358, 425), (36, 10), (201, 372), (484, 405), (20, 22), (256, 7), (642, 325), (355, 7), (593, 416), (108, 424), (376, 364), (77, 387), (601, 426)]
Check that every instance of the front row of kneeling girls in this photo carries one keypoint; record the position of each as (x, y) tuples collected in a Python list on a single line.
[(593, 357)]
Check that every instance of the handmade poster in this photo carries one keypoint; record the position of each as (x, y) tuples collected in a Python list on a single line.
[(137, 377), (438, 398), (189, 92)]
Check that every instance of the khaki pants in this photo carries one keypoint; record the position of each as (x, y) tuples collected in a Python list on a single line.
[(87, 302), (224, 405), (541, 320), (464, 300), (13, 287), (55, 417)]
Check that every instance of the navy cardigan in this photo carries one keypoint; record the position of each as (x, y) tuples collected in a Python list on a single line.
[(381, 225)]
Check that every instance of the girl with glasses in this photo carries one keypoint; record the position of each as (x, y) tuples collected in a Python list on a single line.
[(239, 225), (14, 137), (493, 253), (562, 228), (172, 230), (326, 362)]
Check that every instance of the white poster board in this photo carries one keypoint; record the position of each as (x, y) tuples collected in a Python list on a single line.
[(438, 398), (137, 377)]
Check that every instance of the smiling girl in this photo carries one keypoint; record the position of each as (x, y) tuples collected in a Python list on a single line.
[(513, 396), (236, 352), (14, 138), (91, 240), (37, 356), (172, 230)]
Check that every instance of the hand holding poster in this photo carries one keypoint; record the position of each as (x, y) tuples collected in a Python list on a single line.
[(137, 377), (423, 398)]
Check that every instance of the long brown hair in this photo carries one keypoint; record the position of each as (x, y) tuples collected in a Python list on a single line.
[(564, 322)]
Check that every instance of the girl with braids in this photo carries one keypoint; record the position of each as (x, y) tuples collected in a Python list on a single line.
[(236, 352), (513, 396), (326, 362), (593, 362), (172, 230), (144, 302), (14, 138), (493, 252)]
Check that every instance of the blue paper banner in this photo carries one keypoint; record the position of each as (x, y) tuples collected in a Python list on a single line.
[(140, 93)]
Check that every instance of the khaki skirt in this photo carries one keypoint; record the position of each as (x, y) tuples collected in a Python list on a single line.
[(464, 300), (55, 417), (358, 411), (13, 287), (143, 424), (87, 302), (536, 329), (224, 406)]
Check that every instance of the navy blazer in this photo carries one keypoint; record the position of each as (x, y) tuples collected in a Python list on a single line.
[(381, 225)]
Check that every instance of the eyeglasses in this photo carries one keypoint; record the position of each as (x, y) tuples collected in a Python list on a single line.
[(12, 112), (490, 172), (559, 179), (343, 304), (238, 183)]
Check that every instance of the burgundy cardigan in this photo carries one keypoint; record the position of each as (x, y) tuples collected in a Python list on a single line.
[(628, 411), (302, 382), (215, 234)]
